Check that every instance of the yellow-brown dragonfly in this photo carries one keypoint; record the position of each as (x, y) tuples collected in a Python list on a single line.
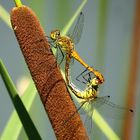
[(67, 44), (91, 100)]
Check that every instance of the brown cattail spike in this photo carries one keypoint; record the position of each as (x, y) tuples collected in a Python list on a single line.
[(46, 75)]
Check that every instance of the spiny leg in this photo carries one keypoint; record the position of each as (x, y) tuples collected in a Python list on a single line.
[(77, 78), (71, 116), (89, 77), (74, 113), (62, 54)]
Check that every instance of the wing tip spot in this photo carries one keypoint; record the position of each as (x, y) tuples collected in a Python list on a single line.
[(131, 110)]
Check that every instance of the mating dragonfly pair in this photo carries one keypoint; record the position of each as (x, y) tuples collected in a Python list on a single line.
[(92, 78)]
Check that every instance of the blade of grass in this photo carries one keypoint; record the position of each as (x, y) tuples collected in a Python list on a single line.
[(33, 105), (19, 106), (28, 96), (7, 133), (104, 126), (102, 21), (61, 16), (4, 15)]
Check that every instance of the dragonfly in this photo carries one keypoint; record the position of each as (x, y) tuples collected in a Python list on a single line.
[(91, 100), (66, 44)]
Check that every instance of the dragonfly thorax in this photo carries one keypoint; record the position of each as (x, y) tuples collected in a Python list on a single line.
[(65, 43), (90, 92)]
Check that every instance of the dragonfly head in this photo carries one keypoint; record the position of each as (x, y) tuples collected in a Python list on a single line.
[(55, 34), (95, 81), (98, 81), (93, 84)]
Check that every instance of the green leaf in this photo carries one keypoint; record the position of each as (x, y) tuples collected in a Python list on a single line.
[(27, 123), (5, 16)]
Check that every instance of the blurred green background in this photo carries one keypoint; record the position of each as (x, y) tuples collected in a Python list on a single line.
[(106, 44)]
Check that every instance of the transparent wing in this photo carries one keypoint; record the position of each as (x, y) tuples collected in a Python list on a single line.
[(77, 31), (88, 121), (60, 55), (99, 101), (50, 40), (90, 110), (85, 107), (110, 109), (105, 107)]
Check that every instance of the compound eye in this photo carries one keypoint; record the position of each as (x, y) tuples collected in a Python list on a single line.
[(58, 33), (97, 81)]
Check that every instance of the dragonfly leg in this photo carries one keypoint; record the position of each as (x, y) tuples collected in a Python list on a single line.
[(89, 76), (81, 74), (52, 45), (82, 104), (61, 54)]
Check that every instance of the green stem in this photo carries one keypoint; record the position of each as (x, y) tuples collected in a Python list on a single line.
[(18, 3), (27, 122)]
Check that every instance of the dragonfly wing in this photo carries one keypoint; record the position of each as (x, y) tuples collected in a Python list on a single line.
[(77, 31), (52, 44), (72, 61), (88, 121), (83, 111), (50, 40), (110, 109), (100, 101), (60, 55)]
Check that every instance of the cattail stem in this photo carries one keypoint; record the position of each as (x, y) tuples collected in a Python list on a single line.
[(46, 75), (18, 3)]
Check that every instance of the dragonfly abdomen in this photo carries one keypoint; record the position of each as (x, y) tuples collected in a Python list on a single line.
[(89, 93)]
